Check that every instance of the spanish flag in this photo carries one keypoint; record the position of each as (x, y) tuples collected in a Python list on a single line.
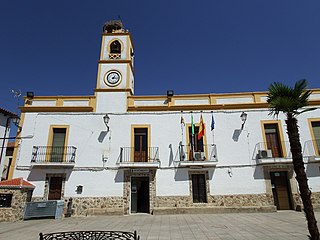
[(201, 128)]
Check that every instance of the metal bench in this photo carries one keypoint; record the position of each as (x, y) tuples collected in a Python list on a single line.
[(90, 235)]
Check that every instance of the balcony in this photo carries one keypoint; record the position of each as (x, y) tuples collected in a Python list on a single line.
[(198, 159), (311, 150), (131, 158), (272, 153), (53, 156)]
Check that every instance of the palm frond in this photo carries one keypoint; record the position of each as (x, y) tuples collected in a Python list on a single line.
[(282, 98)]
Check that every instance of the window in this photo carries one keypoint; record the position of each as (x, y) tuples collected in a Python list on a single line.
[(196, 147), (315, 125), (115, 47), (273, 139), (5, 200), (199, 193), (57, 144)]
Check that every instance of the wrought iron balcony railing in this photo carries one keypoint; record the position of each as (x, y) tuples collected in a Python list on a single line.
[(51, 154), (129, 154), (311, 148), (186, 152), (264, 150)]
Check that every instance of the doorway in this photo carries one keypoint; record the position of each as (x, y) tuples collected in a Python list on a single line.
[(140, 201), (281, 190), (55, 188)]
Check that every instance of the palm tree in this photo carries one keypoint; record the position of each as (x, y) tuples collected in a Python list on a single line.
[(288, 100)]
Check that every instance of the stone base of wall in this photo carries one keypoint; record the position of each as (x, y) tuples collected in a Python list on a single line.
[(97, 206), (85, 206), (315, 198), (15, 212), (212, 210)]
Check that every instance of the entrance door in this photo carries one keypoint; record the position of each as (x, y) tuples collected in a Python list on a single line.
[(141, 144), (281, 190), (55, 186), (140, 202), (273, 139)]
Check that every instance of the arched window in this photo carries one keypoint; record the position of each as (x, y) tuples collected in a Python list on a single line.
[(115, 47)]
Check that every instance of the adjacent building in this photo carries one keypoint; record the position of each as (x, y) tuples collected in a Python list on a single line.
[(118, 153)]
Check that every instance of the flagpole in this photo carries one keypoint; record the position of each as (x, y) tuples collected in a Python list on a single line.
[(192, 136), (212, 127)]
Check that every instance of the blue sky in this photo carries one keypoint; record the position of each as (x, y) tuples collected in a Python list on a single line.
[(52, 47)]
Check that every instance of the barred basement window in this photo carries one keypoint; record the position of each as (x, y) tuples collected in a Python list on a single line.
[(5, 200)]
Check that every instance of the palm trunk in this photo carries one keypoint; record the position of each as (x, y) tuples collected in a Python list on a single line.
[(297, 160)]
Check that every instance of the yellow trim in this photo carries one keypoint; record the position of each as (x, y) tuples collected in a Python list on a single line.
[(128, 77), (57, 109), (133, 126), (102, 47), (120, 34), (16, 147), (205, 149), (310, 121), (278, 122), (98, 76), (118, 61), (50, 139)]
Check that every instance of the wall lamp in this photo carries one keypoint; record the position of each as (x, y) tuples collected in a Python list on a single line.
[(243, 117), (106, 120)]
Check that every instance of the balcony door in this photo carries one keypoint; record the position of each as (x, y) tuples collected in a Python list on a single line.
[(273, 139), (58, 144), (316, 134), (140, 144), (195, 144)]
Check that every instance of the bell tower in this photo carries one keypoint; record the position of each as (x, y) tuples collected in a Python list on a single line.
[(115, 78)]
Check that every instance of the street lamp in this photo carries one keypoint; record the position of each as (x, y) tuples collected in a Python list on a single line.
[(106, 120), (243, 117)]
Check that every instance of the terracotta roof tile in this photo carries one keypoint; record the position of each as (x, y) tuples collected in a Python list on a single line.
[(16, 183)]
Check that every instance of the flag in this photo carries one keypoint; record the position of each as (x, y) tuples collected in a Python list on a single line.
[(192, 126), (201, 128), (212, 123)]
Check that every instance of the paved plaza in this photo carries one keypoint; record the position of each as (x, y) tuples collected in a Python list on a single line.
[(279, 225)]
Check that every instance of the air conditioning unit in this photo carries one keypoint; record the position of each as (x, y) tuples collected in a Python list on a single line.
[(198, 156), (264, 154)]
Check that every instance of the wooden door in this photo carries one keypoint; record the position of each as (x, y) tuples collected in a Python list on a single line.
[(199, 190), (55, 188), (141, 144), (273, 139), (281, 190)]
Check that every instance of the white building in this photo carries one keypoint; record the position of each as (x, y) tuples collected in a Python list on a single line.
[(6, 117), (114, 152)]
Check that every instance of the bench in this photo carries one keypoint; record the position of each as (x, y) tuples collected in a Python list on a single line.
[(93, 235)]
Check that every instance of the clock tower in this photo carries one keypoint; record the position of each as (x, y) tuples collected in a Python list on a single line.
[(115, 78)]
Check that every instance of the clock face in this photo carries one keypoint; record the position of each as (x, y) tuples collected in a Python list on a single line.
[(112, 78)]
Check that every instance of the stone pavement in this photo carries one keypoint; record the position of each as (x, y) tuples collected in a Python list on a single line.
[(279, 225)]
